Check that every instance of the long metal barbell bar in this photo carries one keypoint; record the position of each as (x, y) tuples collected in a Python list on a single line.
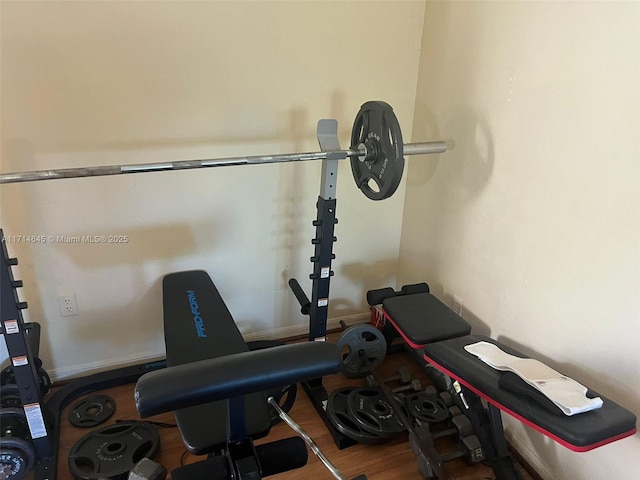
[(36, 175)]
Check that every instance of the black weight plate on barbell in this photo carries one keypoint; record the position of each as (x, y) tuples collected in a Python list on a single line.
[(377, 127), (372, 412), (285, 397), (113, 450), (356, 338), (338, 414), (92, 411), (426, 408)]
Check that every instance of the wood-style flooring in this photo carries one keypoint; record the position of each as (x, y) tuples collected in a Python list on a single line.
[(393, 460)]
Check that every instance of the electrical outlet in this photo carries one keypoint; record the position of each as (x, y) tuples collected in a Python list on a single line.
[(457, 304), (68, 305)]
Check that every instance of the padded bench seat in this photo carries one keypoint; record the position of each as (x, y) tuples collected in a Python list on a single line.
[(198, 326), (580, 433)]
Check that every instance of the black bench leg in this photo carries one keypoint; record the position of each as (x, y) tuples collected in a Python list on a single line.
[(487, 425)]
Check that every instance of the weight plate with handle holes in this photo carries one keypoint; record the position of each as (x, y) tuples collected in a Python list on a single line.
[(358, 338), (340, 417), (427, 408), (92, 411), (372, 411), (378, 173), (112, 451)]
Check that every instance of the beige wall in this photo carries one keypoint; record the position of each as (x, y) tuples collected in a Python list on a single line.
[(533, 219), (93, 83)]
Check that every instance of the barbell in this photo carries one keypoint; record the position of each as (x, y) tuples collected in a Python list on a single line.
[(377, 156)]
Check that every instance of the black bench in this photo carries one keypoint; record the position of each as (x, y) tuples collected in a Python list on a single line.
[(216, 386), (438, 336)]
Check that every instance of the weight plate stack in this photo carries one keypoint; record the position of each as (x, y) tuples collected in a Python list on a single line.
[(372, 412), (340, 417), (17, 454), (113, 450), (7, 377)]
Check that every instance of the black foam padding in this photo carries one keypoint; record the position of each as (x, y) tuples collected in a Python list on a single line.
[(282, 455), (213, 468), (376, 297), (233, 375), (422, 318), (203, 427), (580, 432)]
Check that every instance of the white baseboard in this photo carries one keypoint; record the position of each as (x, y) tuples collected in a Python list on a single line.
[(68, 373)]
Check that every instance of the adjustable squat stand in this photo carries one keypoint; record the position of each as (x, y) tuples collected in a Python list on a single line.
[(317, 308)]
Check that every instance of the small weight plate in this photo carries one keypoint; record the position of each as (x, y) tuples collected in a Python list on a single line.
[(113, 450), (372, 412), (285, 396), (361, 338), (92, 411), (427, 408), (339, 416), (377, 128)]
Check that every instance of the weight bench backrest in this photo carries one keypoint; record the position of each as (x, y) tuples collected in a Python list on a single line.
[(421, 319), (198, 326)]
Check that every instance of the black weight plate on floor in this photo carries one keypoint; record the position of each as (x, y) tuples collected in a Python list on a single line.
[(113, 450), (92, 411), (363, 337), (339, 416), (372, 412), (285, 397), (427, 408), (377, 127)]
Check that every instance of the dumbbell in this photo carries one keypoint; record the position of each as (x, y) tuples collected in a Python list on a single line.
[(415, 385), (147, 469), (460, 427), (469, 448), (403, 375)]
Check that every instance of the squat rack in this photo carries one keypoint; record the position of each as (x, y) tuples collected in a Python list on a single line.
[(377, 162)]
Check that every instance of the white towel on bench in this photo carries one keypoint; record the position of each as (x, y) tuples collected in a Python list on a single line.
[(569, 395)]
